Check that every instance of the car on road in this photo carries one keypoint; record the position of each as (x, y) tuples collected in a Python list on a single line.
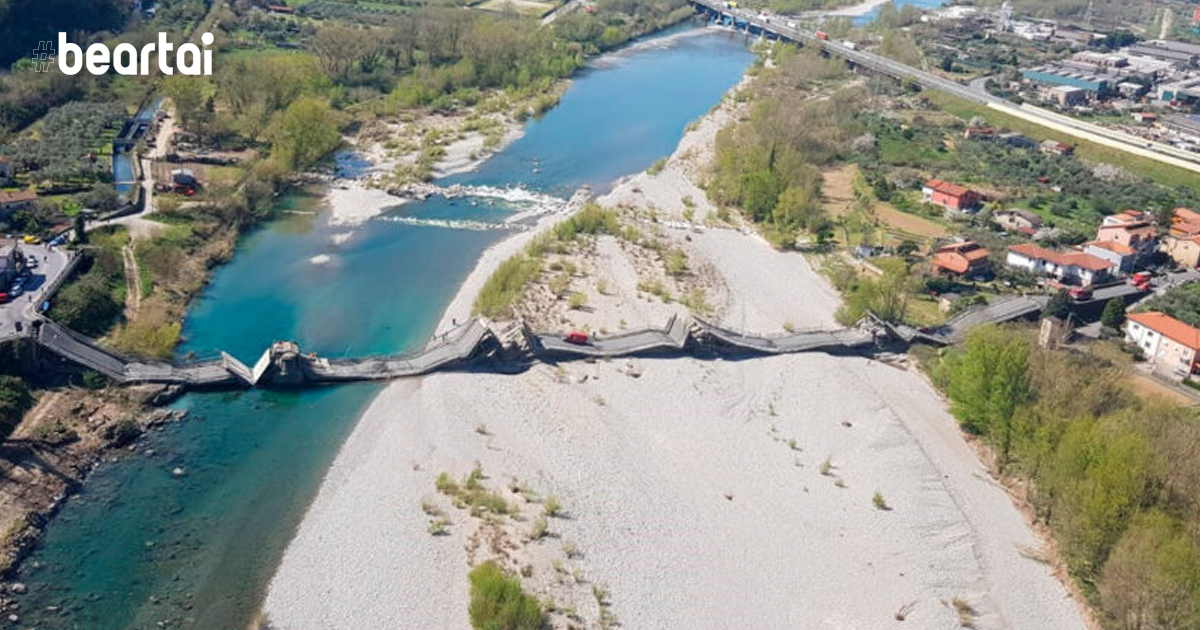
[(5, 298), (576, 337), (31, 263), (16, 290), (31, 240), (1080, 293)]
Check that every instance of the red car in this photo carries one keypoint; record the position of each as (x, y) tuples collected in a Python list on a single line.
[(5, 298), (1080, 293), (577, 338)]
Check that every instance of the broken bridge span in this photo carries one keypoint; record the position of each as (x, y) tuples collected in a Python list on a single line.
[(475, 342)]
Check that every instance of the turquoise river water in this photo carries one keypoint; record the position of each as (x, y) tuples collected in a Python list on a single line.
[(139, 545)]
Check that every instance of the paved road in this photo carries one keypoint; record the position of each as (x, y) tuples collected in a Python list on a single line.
[(1058, 122), (51, 264)]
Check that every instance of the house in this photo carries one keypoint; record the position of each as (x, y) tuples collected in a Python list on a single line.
[(1185, 222), (7, 170), (1018, 220), (866, 251), (1170, 345), (1071, 267), (1123, 256), (11, 202), (967, 259), (1184, 250), (1182, 240), (12, 262), (1054, 147), (950, 196), (1133, 229), (1145, 118)]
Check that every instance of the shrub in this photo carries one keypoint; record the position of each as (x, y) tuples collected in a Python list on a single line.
[(506, 286), (551, 506), (541, 527), (499, 603)]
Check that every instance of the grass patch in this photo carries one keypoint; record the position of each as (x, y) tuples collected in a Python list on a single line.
[(472, 494), (507, 284), (499, 603)]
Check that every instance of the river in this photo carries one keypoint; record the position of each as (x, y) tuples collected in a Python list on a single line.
[(139, 544)]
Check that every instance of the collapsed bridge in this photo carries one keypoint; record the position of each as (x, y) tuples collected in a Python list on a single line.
[(476, 342)]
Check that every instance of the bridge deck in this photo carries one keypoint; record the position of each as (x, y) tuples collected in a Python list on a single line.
[(804, 341), (671, 338), (454, 346)]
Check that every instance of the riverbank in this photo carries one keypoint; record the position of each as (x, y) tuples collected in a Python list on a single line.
[(799, 498)]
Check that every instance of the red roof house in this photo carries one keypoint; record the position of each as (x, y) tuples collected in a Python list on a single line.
[(950, 196), (965, 259)]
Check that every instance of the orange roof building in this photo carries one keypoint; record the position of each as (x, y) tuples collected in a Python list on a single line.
[(1121, 255), (964, 259), (1132, 228), (1170, 346), (950, 196), (1182, 240)]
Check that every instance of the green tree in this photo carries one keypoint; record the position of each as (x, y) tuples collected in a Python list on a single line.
[(15, 400), (886, 296), (1114, 313), (1098, 477), (80, 227), (306, 131), (988, 382), (1152, 578), (1059, 306), (190, 95)]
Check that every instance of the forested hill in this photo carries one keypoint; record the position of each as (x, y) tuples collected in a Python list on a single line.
[(23, 23)]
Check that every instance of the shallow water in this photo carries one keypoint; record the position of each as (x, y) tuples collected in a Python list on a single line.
[(140, 545)]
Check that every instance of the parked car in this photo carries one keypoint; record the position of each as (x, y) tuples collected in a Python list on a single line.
[(1080, 293), (576, 337), (5, 298)]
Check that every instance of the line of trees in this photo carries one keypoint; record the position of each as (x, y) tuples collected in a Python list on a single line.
[(1116, 476)]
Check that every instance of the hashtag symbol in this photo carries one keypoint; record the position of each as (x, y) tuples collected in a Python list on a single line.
[(43, 56)]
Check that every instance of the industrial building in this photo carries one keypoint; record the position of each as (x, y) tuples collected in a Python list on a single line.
[(1058, 74)]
